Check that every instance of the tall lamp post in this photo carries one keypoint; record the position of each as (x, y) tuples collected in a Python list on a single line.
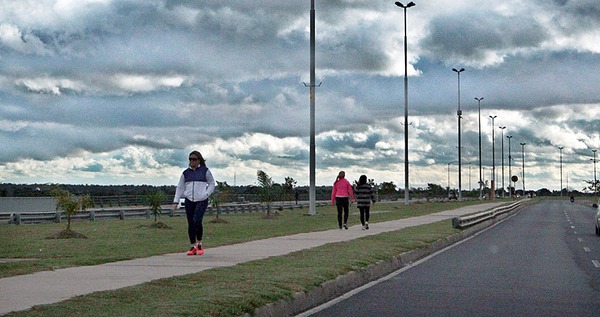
[(313, 164), (502, 128), (523, 154), (595, 181), (560, 148), (459, 114), (493, 159), (406, 184), (480, 176), (509, 169)]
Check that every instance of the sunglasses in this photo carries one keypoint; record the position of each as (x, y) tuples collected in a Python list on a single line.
[(193, 159)]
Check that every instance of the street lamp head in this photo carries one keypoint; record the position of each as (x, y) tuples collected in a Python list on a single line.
[(479, 99), (493, 117), (502, 128), (509, 136), (411, 4), (458, 71)]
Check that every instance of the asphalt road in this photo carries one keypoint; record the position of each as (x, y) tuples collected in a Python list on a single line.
[(541, 262)]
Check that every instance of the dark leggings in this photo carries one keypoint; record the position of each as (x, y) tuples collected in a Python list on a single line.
[(194, 211), (342, 203), (364, 214)]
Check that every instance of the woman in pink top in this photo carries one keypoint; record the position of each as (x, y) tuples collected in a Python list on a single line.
[(340, 196)]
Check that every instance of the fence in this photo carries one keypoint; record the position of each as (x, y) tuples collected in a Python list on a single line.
[(466, 221), (19, 218)]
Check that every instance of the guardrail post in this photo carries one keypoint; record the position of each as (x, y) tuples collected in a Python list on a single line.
[(15, 218), (121, 214), (456, 223), (57, 217), (92, 215)]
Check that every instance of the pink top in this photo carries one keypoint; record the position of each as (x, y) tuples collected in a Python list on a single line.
[(341, 188)]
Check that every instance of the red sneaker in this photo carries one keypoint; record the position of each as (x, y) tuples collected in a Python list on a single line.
[(193, 251), (200, 250)]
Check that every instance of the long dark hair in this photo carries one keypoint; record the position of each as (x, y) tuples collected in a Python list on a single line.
[(362, 180), (341, 175), (200, 158)]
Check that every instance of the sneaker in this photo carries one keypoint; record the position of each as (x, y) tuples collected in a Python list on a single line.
[(346, 226), (193, 251), (367, 225), (340, 228), (200, 250), (363, 228)]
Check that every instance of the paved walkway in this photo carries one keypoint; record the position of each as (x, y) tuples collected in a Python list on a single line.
[(25, 291)]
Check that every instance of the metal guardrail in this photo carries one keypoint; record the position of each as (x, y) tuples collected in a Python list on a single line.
[(466, 221), (19, 218)]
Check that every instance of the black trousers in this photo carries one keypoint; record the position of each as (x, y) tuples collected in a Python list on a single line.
[(342, 204), (364, 214), (194, 210)]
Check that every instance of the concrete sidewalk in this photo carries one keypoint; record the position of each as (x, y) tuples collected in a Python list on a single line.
[(25, 291)]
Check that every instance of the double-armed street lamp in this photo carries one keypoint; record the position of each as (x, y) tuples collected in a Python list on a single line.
[(480, 176), (595, 181), (459, 114), (560, 148), (493, 159), (406, 183), (502, 128), (523, 154), (509, 168)]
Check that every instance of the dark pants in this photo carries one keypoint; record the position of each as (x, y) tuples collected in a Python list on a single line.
[(364, 214), (342, 204), (194, 211)]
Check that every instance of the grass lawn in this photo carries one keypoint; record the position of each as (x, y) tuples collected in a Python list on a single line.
[(117, 240), (229, 291)]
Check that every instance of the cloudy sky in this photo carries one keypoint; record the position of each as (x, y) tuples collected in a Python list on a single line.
[(120, 91)]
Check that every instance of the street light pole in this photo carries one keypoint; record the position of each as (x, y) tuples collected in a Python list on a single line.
[(313, 164), (493, 159), (480, 176), (459, 114), (595, 181), (502, 128), (509, 169), (560, 148), (406, 183), (523, 153)]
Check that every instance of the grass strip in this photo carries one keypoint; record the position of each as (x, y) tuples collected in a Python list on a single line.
[(233, 291), (117, 240)]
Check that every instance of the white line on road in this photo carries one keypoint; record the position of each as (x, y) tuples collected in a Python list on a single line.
[(580, 240), (596, 263), (586, 249)]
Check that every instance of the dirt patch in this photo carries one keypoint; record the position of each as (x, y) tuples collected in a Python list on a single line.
[(157, 225), (67, 234)]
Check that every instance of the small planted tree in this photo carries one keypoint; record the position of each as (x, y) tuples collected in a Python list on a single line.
[(220, 196), (70, 204), (267, 191), (155, 200)]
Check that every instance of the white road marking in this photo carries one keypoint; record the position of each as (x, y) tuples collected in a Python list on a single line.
[(580, 240), (586, 249), (596, 263)]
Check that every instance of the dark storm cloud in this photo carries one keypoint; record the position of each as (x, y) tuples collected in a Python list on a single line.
[(471, 37)]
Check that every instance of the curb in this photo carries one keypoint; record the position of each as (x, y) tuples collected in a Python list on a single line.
[(303, 301)]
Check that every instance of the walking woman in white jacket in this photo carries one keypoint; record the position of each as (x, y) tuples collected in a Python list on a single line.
[(196, 184)]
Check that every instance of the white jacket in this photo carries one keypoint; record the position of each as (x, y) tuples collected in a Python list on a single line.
[(195, 185)]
